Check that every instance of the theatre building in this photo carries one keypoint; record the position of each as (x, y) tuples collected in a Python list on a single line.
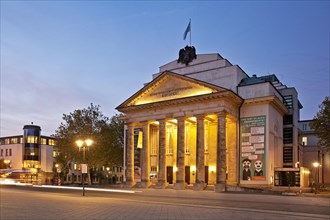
[(203, 121)]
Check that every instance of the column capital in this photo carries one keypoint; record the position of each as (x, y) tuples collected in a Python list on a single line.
[(200, 117), (222, 113)]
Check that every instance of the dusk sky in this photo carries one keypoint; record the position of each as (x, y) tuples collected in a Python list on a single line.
[(58, 56)]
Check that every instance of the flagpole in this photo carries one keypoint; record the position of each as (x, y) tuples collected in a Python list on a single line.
[(190, 30)]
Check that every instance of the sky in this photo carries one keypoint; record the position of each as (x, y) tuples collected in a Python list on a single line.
[(59, 56)]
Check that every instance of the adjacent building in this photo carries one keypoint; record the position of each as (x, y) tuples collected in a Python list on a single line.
[(29, 157), (204, 121)]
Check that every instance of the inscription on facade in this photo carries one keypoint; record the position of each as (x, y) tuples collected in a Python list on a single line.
[(171, 92)]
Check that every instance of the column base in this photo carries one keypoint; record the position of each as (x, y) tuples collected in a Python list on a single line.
[(199, 186), (220, 187), (143, 184), (161, 185), (179, 186), (129, 184)]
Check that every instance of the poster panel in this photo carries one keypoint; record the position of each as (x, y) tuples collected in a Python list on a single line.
[(252, 148)]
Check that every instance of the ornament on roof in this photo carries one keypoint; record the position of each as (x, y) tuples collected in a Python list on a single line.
[(187, 54)]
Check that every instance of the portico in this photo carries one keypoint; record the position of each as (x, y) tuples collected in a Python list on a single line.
[(189, 133)]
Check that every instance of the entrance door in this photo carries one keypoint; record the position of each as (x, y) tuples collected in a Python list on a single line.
[(187, 174), (169, 174), (206, 174)]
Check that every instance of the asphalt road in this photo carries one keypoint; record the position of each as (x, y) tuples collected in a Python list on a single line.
[(18, 202)]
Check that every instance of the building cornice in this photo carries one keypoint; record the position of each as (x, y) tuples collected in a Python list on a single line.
[(272, 100)]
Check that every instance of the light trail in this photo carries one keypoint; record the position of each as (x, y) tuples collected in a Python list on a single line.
[(87, 188)]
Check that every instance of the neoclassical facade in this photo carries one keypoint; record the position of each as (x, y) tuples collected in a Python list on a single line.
[(205, 123)]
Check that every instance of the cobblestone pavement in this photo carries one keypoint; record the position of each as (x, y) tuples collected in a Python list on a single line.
[(33, 204)]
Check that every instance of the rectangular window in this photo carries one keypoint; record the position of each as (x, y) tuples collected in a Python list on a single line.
[(287, 135), (7, 141), (54, 153), (288, 101), (187, 139), (10, 152), (169, 132), (154, 140), (6, 152), (304, 127), (287, 154), (32, 139), (51, 142), (43, 141), (287, 120), (304, 141), (14, 140), (206, 136), (1, 152)]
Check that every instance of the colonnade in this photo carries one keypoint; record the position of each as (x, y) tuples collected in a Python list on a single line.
[(206, 140)]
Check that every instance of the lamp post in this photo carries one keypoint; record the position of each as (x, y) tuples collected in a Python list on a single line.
[(83, 145), (108, 168), (58, 170), (317, 165)]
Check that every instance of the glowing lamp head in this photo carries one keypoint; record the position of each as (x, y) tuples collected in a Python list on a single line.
[(316, 164)]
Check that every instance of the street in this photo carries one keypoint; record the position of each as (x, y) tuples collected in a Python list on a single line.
[(27, 202)]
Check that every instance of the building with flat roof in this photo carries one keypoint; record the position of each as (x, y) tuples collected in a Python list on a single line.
[(203, 121), (29, 157)]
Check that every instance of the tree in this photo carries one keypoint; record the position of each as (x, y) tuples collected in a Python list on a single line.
[(89, 123), (321, 123)]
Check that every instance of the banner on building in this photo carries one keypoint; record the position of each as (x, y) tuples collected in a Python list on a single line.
[(252, 148)]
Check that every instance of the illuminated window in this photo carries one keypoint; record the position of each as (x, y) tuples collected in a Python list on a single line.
[(7, 141), (21, 140), (51, 142), (14, 140), (54, 153), (43, 141), (206, 136), (169, 132), (154, 140), (187, 138), (75, 167), (304, 141), (32, 139)]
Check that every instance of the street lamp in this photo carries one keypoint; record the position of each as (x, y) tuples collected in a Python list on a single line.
[(58, 170), (108, 168), (83, 145), (317, 165)]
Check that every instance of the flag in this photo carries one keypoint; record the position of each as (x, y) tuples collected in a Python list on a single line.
[(187, 30)]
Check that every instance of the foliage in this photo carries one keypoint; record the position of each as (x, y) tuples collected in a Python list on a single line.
[(321, 123), (89, 123)]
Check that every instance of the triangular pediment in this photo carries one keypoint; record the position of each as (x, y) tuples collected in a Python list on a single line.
[(169, 86)]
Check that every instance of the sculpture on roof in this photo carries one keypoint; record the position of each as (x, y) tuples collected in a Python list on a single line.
[(187, 54)]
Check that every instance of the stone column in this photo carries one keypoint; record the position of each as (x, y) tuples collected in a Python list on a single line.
[(221, 153), (162, 155), (200, 164), (130, 155), (180, 174), (145, 158)]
